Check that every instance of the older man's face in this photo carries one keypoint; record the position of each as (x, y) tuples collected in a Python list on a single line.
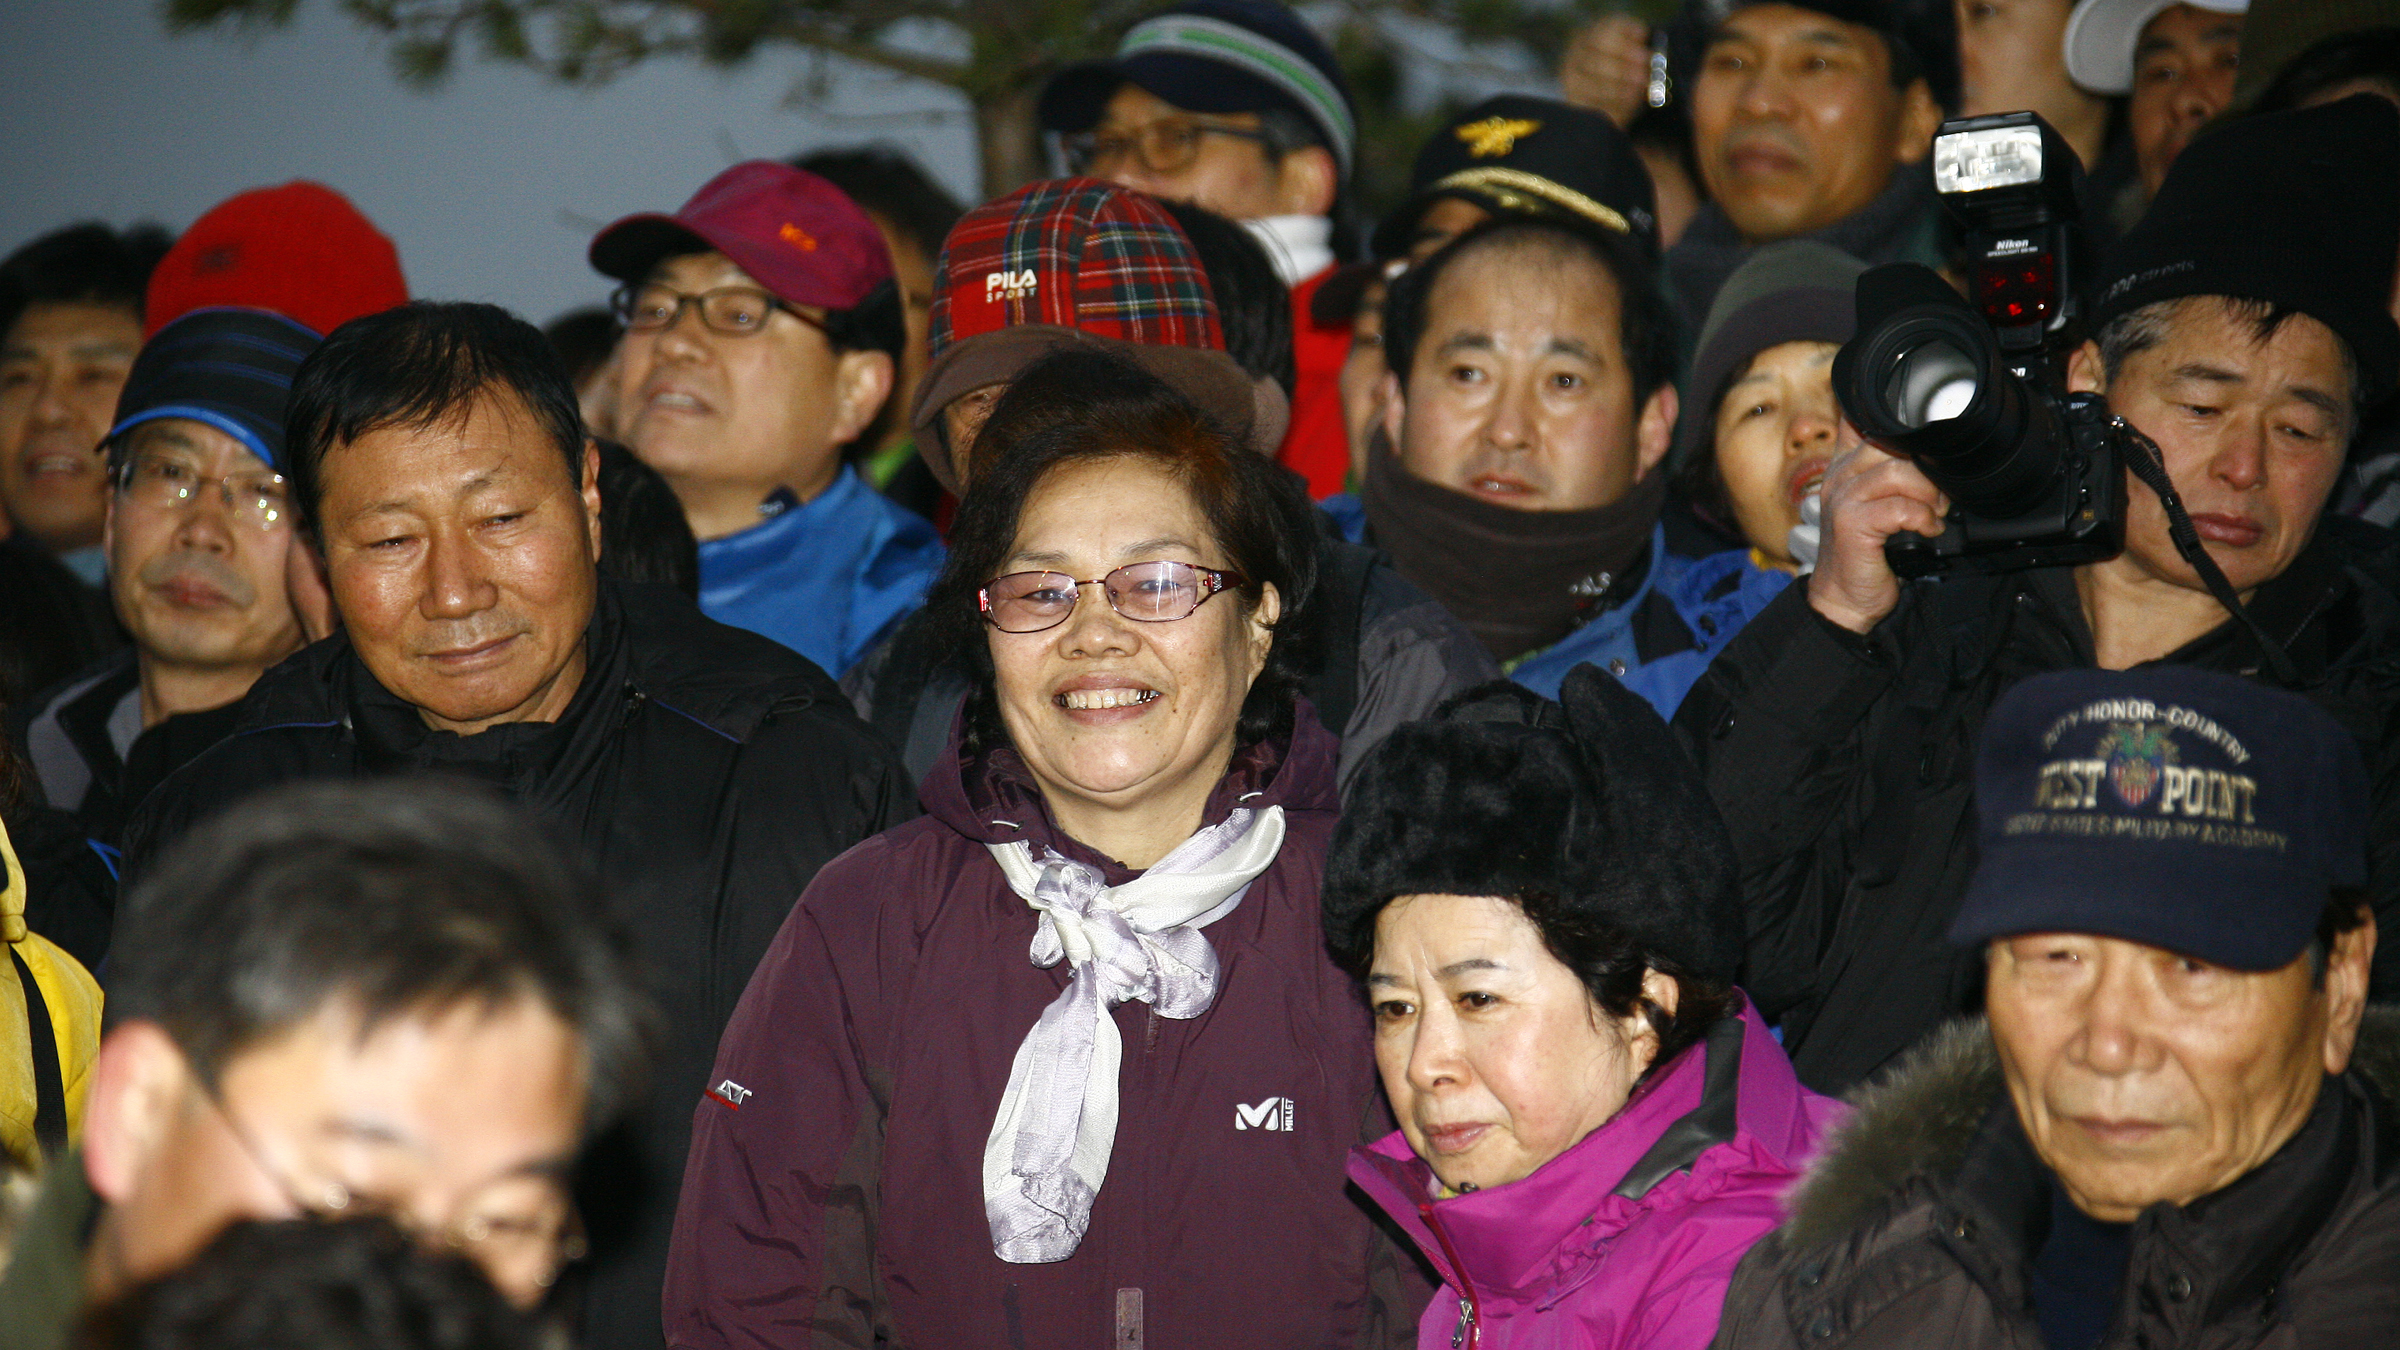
[(464, 560), (2141, 1076), (1796, 122), (199, 537)]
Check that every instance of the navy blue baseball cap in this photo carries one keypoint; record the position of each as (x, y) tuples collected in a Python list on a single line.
[(230, 369), (1215, 56), (2200, 813)]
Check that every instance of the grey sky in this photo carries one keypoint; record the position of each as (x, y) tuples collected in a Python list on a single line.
[(490, 185)]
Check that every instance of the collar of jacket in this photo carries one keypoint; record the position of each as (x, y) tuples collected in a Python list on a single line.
[(1941, 1119), (1535, 1239), (85, 719), (992, 798), (645, 640), (2303, 607)]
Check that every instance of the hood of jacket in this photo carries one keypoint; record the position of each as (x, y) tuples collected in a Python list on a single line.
[(1727, 1115), (644, 640), (992, 798), (1927, 1115)]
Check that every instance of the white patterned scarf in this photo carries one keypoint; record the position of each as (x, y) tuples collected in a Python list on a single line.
[(1050, 1143)]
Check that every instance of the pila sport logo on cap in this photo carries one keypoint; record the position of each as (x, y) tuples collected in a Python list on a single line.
[(1005, 285), (2131, 768)]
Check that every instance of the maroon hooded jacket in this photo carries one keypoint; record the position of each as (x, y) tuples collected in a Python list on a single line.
[(834, 1194)]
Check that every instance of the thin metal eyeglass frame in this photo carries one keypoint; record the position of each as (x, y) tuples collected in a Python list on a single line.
[(223, 484), (1216, 581)]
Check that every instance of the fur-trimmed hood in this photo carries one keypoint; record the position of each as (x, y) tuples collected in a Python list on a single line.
[(1923, 1116)]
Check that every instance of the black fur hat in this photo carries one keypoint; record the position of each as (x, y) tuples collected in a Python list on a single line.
[(1505, 793)]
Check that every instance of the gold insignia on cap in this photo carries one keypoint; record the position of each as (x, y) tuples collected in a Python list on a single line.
[(1495, 135), (798, 238)]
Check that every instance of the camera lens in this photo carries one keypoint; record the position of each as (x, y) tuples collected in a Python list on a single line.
[(1925, 377), (1932, 381)]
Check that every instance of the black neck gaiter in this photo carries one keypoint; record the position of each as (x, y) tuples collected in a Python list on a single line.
[(1519, 580)]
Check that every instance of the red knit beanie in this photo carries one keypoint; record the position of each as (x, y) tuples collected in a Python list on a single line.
[(300, 250)]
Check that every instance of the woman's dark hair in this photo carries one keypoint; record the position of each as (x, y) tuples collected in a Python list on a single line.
[(1253, 305), (421, 365), (1611, 966), (1609, 962), (1645, 322), (643, 533), (1078, 406)]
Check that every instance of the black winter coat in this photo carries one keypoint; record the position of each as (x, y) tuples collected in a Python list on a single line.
[(1920, 1223), (706, 773), (1844, 766)]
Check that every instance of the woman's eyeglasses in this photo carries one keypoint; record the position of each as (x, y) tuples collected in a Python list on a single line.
[(1151, 592)]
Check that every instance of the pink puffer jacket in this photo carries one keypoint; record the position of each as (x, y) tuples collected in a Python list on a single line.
[(1629, 1238)]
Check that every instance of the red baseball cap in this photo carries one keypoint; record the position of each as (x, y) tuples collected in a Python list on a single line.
[(300, 250), (796, 233)]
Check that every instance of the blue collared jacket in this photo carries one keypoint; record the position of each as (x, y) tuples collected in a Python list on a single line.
[(828, 577)]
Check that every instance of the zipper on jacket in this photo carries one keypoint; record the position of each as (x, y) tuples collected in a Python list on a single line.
[(1466, 1336)]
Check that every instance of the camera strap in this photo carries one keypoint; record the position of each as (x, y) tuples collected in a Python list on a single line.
[(2150, 466)]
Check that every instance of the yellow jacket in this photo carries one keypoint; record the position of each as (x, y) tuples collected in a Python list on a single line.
[(68, 1000)]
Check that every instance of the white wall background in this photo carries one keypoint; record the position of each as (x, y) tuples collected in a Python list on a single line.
[(491, 184)]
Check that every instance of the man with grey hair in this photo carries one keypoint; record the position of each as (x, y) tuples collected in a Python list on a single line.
[(2240, 328), (2175, 1126)]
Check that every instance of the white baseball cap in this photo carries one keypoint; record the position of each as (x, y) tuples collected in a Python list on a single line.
[(2101, 36)]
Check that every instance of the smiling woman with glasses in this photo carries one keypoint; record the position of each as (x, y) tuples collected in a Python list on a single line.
[(1076, 1026)]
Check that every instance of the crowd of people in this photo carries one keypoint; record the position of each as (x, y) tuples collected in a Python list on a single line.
[(635, 834)]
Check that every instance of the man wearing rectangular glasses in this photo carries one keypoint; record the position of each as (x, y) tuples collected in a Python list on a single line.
[(199, 543), (1238, 106), (753, 404)]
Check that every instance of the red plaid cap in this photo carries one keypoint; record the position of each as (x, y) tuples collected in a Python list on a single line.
[(1074, 253), (300, 250), (793, 232)]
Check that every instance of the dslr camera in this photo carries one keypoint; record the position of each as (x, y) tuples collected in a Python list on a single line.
[(1974, 390)]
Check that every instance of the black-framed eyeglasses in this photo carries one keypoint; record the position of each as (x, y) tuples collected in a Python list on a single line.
[(260, 498), (735, 311), (534, 1245), (1150, 592), (1168, 145)]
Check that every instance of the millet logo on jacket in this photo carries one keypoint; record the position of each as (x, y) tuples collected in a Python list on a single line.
[(1275, 1113), (731, 1093)]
